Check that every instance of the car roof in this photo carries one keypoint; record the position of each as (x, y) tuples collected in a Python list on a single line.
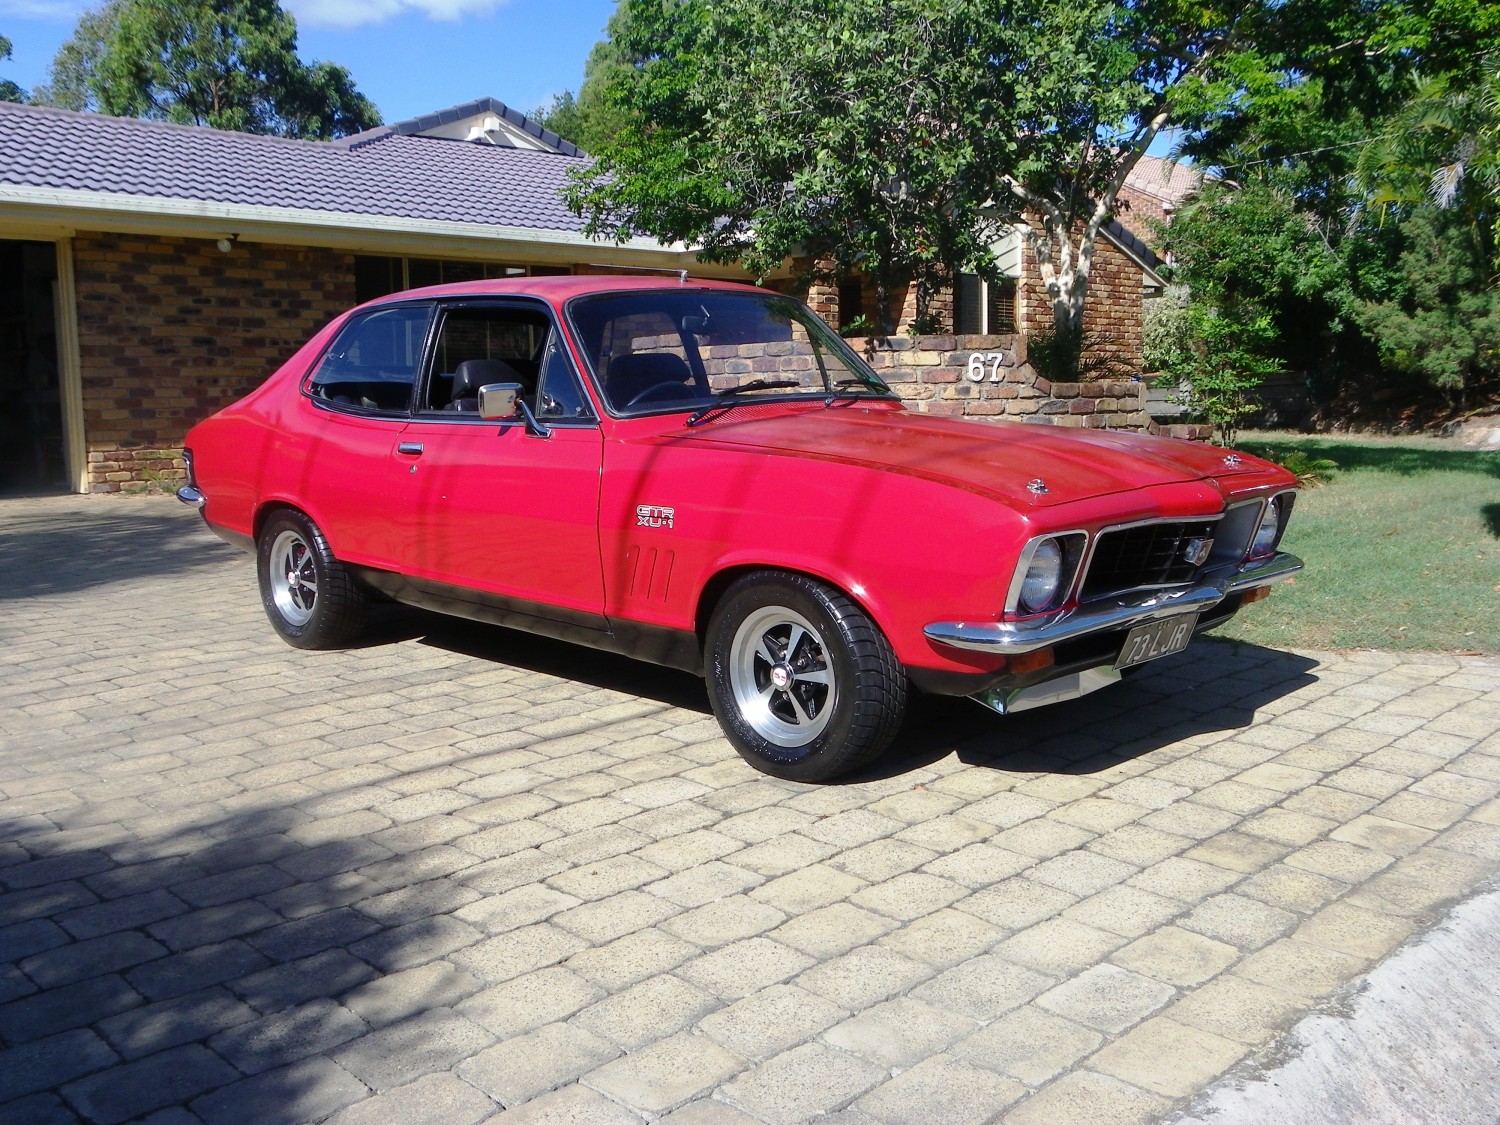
[(562, 287)]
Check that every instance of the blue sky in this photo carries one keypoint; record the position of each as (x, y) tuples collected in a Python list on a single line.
[(408, 56)]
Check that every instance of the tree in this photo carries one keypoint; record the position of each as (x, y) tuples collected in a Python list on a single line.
[(229, 64), (69, 82), (9, 91), (588, 119), (899, 136)]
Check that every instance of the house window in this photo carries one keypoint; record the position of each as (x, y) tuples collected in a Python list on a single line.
[(984, 308), (851, 301), (376, 277)]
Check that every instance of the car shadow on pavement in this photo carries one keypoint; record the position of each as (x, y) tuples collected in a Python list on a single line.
[(1217, 685)]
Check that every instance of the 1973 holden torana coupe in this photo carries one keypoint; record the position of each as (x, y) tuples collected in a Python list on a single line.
[(702, 475)]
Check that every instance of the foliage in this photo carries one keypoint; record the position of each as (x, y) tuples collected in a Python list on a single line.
[(1166, 334), (229, 64), (9, 91), (897, 137), (70, 81), (588, 119), (1310, 471), (1067, 355), (1227, 360)]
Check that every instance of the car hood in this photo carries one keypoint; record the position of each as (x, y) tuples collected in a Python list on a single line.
[(997, 458)]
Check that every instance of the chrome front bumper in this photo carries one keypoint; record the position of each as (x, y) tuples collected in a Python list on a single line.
[(1011, 638)]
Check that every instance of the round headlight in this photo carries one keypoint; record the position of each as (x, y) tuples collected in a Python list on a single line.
[(1265, 534), (1043, 574)]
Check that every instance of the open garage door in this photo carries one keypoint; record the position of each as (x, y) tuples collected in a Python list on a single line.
[(32, 450)]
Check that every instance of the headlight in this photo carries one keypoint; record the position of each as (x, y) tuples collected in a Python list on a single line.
[(1265, 535), (1043, 573)]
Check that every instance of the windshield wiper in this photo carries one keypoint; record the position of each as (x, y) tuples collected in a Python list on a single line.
[(867, 382), (725, 399)]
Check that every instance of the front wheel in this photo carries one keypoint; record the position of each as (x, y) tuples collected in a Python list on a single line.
[(804, 684), (310, 597)]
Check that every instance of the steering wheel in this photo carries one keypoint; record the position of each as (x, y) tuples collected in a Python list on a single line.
[(664, 391)]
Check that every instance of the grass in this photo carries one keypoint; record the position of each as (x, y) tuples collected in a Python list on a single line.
[(1402, 549)]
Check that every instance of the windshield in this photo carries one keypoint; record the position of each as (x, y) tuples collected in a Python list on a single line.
[(674, 350)]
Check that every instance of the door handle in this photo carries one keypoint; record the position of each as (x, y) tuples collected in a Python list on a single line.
[(412, 447)]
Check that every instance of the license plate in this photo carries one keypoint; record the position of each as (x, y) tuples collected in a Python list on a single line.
[(1160, 638)]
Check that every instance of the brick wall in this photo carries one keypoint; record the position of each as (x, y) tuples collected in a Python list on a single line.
[(1113, 312), (961, 375), (170, 330)]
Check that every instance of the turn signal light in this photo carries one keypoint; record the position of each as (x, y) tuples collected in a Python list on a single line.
[(1255, 594), (1032, 661)]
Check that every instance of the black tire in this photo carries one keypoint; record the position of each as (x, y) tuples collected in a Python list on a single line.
[(309, 595), (804, 684)]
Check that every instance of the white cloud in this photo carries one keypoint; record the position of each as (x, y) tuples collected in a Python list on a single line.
[(352, 13)]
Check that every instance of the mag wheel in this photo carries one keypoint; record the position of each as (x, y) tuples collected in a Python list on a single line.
[(308, 594), (804, 684)]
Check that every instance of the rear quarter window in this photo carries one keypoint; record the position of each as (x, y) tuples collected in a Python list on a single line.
[(373, 362)]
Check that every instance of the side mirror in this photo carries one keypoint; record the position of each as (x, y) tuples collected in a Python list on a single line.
[(498, 401)]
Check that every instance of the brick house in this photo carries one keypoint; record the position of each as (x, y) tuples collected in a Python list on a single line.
[(150, 273)]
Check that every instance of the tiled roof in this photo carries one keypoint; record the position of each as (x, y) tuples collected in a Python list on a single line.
[(388, 174), (1169, 181)]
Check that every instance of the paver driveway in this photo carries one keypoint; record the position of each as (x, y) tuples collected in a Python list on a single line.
[(464, 873)]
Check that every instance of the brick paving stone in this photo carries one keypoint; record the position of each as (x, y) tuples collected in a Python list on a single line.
[(1087, 1098), (630, 959), (63, 1009), (728, 920), (666, 1074), (941, 1088), (441, 1099), (572, 1105), (1296, 966), (644, 1012), (527, 846), (984, 987), (401, 1052), (288, 1036), (304, 1091), (1106, 998), (135, 1089), (174, 1022), (899, 1032), (802, 1083), (308, 978), (399, 996), (770, 1021), (529, 1002), (737, 970), (48, 1063)]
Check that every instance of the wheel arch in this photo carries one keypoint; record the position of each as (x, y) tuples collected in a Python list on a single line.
[(712, 592)]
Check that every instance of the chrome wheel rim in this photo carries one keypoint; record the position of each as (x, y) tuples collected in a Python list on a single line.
[(781, 677), (294, 578)]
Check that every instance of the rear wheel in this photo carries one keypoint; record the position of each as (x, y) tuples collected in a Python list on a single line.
[(309, 595), (804, 684)]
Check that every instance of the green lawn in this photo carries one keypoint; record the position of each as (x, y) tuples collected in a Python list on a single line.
[(1402, 549)]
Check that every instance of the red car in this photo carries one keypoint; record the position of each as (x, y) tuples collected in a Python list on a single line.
[(703, 475)]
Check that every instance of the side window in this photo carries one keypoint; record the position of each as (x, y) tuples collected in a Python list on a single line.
[(373, 363), (559, 397), (485, 344)]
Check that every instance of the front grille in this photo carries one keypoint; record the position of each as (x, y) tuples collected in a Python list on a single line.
[(1154, 554)]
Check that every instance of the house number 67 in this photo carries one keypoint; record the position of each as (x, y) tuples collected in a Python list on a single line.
[(979, 360)]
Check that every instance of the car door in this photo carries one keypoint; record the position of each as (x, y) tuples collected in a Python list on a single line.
[(500, 513), (343, 461)]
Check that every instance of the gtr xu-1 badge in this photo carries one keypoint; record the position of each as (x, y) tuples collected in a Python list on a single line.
[(650, 515)]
